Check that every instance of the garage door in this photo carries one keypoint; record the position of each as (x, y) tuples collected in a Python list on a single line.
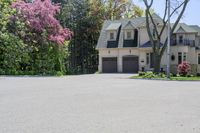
[(130, 64), (109, 65)]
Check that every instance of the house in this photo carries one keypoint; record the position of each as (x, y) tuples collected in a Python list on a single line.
[(124, 46)]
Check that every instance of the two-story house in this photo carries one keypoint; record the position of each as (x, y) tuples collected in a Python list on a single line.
[(124, 46)]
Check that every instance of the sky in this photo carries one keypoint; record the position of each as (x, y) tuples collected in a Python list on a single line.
[(191, 15)]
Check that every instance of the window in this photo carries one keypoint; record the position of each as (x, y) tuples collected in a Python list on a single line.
[(199, 42), (154, 33), (129, 35), (112, 36), (147, 58), (184, 56), (179, 57), (198, 58), (181, 39), (173, 57)]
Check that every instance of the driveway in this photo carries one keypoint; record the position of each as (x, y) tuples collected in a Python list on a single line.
[(98, 103)]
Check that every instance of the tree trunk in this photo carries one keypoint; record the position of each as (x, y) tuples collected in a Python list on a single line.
[(157, 61)]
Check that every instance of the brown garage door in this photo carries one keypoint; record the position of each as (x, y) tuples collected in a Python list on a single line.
[(130, 64), (109, 65)]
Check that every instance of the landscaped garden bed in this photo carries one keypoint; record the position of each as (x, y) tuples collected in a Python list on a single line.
[(162, 76)]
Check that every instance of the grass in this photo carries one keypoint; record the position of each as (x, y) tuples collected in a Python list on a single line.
[(186, 78), (152, 76), (171, 78)]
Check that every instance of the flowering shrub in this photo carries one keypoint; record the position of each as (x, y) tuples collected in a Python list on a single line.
[(40, 17), (184, 68)]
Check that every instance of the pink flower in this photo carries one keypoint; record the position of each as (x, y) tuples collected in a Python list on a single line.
[(40, 16), (184, 68)]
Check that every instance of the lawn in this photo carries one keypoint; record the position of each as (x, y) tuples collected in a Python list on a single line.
[(152, 76)]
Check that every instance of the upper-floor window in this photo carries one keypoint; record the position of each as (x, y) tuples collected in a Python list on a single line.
[(112, 36), (154, 33), (199, 41), (181, 39), (129, 35)]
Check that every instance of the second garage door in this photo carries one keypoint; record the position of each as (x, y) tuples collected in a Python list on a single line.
[(130, 64), (109, 65)]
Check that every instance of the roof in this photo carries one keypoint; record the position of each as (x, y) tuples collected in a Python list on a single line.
[(197, 28), (109, 24), (182, 27), (137, 23), (148, 44), (113, 26)]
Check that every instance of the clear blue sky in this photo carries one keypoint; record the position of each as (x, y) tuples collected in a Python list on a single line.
[(191, 16)]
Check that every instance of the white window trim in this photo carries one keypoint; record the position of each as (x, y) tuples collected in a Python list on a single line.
[(126, 34), (182, 56), (109, 35), (198, 58)]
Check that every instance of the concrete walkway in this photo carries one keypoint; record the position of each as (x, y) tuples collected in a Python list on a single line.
[(98, 103)]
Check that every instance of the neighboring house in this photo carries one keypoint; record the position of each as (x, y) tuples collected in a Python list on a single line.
[(124, 46)]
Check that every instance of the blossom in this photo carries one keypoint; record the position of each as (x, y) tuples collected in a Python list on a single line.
[(184, 68), (40, 16)]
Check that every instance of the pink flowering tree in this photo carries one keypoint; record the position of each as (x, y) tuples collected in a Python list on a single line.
[(184, 68), (39, 16)]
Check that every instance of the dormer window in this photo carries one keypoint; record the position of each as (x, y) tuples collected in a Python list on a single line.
[(112, 36), (129, 35)]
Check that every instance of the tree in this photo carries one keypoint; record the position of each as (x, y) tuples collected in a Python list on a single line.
[(85, 18), (117, 9), (155, 38), (40, 16), (45, 38), (12, 48)]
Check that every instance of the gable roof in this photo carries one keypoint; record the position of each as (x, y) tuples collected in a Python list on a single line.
[(113, 26), (182, 27), (109, 24), (129, 25), (197, 28), (137, 23)]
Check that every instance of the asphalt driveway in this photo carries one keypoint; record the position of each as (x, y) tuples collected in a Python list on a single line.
[(99, 103)]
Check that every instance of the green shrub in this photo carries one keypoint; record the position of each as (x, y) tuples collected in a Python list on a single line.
[(149, 75), (141, 73)]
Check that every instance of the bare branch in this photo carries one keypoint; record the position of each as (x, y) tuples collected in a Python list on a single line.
[(165, 13), (175, 24), (175, 10), (154, 25)]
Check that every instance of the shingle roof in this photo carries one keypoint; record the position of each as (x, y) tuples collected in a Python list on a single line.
[(197, 28), (136, 22), (108, 24), (185, 28), (113, 26), (148, 44)]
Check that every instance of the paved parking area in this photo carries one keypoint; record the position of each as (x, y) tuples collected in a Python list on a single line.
[(98, 103)]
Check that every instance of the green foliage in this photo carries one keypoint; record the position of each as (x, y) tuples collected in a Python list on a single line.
[(151, 75), (85, 19), (26, 52), (12, 48)]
